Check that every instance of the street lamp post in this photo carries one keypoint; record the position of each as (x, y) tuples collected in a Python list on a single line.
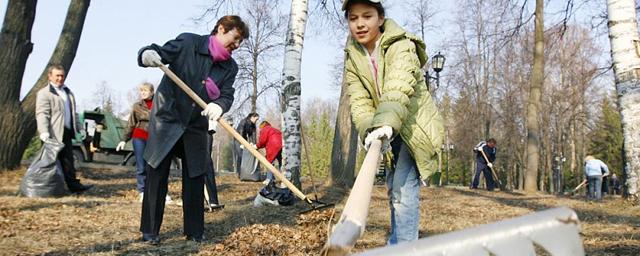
[(437, 64), (446, 147), (559, 159)]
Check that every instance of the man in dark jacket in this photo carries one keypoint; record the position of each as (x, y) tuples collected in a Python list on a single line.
[(489, 149), (179, 127)]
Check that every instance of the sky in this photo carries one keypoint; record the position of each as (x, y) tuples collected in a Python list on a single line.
[(115, 30)]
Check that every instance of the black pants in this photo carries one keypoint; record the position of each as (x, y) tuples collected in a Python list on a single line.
[(66, 159), (155, 191), (210, 182)]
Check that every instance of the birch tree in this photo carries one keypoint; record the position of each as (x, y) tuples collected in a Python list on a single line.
[(291, 88), (625, 52)]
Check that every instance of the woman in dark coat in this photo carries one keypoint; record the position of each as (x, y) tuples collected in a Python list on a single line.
[(247, 129), (178, 126)]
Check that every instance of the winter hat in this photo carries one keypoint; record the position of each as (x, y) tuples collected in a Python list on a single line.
[(344, 4)]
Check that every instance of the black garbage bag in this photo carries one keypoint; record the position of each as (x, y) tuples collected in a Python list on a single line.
[(249, 169), (272, 194), (44, 177)]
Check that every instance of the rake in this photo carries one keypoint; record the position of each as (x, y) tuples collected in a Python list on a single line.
[(315, 204)]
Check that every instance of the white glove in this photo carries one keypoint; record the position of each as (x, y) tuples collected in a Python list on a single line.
[(151, 58), (384, 132), (478, 148), (213, 125), (44, 136), (83, 134), (490, 165), (212, 111), (120, 146)]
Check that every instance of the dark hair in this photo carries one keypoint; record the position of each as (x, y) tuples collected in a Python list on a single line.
[(378, 7), (491, 140), (229, 22), (55, 66), (252, 114)]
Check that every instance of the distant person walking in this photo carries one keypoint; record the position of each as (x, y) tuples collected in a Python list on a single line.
[(56, 119), (594, 170), (484, 167)]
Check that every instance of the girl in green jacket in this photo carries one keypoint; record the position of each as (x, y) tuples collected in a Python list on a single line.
[(390, 101)]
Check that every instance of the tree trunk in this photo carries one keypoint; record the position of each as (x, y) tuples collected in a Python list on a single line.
[(537, 80), (19, 117), (15, 47), (254, 82), (345, 144), (625, 52), (291, 91)]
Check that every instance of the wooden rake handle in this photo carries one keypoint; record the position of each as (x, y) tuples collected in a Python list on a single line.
[(493, 172), (236, 135)]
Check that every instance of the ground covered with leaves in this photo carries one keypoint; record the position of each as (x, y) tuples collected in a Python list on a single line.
[(104, 221)]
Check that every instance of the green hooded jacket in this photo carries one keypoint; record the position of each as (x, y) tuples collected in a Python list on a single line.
[(404, 103)]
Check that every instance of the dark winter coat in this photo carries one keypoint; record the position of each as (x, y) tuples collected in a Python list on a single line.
[(247, 130), (174, 115), (489, 152), (271, 139)]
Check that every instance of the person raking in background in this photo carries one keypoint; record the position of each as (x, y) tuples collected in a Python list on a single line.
[(484, 167), (594, 170)]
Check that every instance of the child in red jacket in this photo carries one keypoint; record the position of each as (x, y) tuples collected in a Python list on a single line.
[(271, 139)]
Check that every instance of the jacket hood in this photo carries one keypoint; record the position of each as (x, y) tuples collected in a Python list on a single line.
[(392, 33)]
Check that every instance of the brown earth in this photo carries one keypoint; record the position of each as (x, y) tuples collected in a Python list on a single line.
[(104, 221)]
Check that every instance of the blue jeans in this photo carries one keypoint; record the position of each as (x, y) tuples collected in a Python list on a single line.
[(403, 185), (595, 187), (138, 150)]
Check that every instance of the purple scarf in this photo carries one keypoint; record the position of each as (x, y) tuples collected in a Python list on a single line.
[(218, 53)]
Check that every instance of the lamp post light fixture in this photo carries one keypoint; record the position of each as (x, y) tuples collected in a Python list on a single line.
[(557, 173), (447, 147), (437, 64)]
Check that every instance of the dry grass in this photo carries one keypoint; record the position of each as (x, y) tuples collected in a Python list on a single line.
[(105, 220)]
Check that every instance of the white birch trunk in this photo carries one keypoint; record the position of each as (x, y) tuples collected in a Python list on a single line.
[(623, 34), (291, 89)]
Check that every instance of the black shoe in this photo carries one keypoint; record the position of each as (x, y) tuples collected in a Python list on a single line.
[(79, 188), (197, 239), (152, 240)]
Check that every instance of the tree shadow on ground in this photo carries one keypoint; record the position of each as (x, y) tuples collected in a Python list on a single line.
[(585, 215)]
